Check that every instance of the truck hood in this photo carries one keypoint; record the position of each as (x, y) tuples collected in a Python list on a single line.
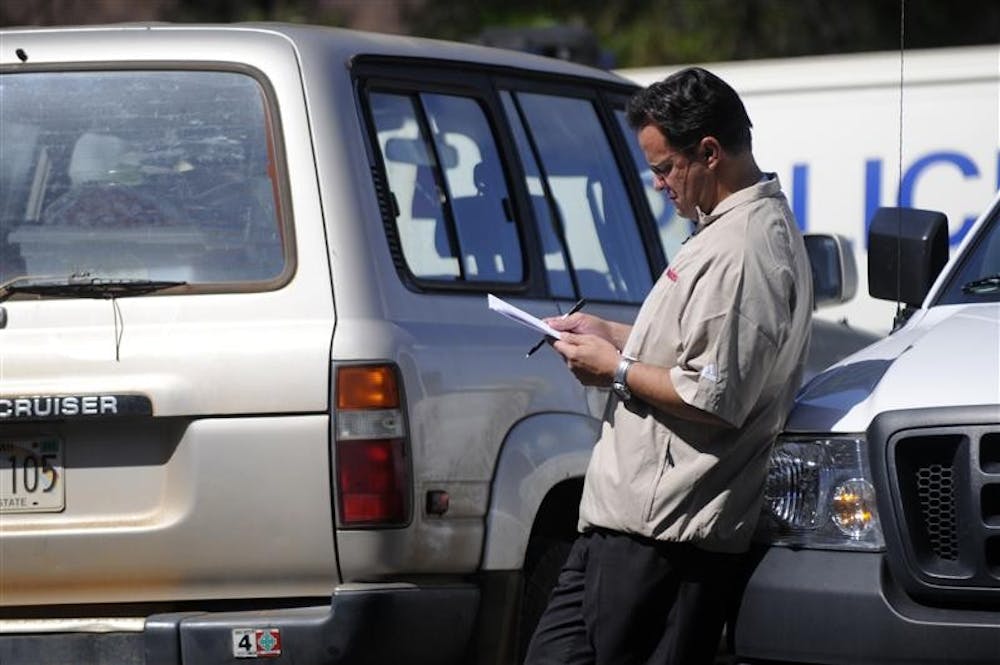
[(944, 356)]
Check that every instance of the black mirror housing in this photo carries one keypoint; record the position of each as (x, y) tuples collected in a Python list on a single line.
[(907, 249)]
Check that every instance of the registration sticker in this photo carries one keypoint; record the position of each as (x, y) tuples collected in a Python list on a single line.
[(256, 642)]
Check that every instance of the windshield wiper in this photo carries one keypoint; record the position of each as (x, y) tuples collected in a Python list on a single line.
[(989, 284), (84, 286)]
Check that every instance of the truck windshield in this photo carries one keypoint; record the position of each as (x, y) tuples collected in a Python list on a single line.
[(137, 175), (977, 277)]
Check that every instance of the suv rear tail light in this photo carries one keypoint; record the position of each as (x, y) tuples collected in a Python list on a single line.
[(373, 487)]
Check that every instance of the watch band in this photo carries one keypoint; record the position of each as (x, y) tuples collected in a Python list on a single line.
[(620, 383)]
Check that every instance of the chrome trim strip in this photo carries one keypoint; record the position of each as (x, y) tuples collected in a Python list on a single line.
[(89, 625)]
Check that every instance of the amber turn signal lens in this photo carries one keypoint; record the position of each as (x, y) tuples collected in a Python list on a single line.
[(854, 507), (367, 387)]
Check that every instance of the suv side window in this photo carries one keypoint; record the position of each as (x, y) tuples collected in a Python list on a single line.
[(560, 281), (453, 213), (577, 170)]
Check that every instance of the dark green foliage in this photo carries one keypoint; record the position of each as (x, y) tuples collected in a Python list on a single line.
[(632, 32)]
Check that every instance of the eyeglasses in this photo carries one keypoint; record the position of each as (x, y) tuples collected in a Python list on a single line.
[(663, 168)]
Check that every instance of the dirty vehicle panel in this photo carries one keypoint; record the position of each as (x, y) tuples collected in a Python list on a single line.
[(146, 170)]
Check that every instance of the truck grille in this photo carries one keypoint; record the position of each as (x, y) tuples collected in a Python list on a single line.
[(927, 468), (936, 491), (942, 511)]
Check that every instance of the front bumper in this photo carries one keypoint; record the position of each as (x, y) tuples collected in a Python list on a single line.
[(365, 624), (844, 608)]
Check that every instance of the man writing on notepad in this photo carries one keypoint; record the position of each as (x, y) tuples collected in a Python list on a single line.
[(701, 383)]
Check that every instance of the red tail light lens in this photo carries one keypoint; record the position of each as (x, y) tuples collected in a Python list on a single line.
[(372, 481), (373, 487)]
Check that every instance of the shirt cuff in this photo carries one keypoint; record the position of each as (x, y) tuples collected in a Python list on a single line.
[(700, 390)]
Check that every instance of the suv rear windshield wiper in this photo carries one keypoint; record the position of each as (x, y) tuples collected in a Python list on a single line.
[(989, 284), (84, 286)]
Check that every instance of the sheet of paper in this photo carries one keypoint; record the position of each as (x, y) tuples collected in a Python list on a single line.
[(506, 309)]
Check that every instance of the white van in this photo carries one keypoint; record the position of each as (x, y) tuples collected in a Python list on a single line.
[(846, 139), (881, 531)]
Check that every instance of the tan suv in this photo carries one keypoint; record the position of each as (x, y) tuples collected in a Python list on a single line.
[(252, 401)]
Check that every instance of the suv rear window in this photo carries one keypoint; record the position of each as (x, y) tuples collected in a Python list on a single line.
[(162, 175)]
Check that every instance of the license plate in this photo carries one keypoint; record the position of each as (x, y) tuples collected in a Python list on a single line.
[(31, 476)]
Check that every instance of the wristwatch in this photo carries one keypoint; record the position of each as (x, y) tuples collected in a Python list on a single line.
[(620, 383)]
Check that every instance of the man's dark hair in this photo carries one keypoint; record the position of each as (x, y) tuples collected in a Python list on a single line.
[(690, 105)]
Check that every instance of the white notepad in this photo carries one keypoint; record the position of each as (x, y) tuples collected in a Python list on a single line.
[(506, 309)]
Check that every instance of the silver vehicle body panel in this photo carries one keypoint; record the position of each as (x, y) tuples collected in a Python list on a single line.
[(140, 496), (201, 356)]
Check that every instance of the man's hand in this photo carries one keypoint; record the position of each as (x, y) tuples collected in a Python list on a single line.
[(591, 358), (590, 344), (588, 324)]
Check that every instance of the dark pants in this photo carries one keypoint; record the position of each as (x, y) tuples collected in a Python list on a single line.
[(627, 600)]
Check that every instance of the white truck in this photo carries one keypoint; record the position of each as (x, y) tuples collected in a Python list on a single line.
[(880, 538), (846, 138)]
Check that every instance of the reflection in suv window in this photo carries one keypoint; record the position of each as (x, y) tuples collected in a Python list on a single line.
[(580, 173), (559, 278), (137, 174), (453, 214)]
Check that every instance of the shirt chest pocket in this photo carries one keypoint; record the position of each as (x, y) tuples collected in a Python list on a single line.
[(656, 335)]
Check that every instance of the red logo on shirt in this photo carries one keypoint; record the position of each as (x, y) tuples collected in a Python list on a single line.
[(671, 274)]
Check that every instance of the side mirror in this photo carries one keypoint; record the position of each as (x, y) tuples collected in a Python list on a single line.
[(907, 248), (834, 271)]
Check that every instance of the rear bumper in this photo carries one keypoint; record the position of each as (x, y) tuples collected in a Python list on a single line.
[(367, 624), (844, 608)]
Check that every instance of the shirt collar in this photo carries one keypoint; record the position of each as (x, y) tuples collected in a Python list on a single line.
[(766, 187)]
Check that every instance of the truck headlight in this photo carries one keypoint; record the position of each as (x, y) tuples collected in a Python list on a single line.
[(819, 495)]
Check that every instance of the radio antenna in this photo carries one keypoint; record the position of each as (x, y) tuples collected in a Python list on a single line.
[(899, 187)]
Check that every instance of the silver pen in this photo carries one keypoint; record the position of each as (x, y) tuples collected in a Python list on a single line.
[(572, 310)]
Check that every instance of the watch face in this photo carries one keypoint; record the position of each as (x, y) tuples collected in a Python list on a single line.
[(624, 394)]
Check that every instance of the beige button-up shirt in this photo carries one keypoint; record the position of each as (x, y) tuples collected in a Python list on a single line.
[(730, 317)]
